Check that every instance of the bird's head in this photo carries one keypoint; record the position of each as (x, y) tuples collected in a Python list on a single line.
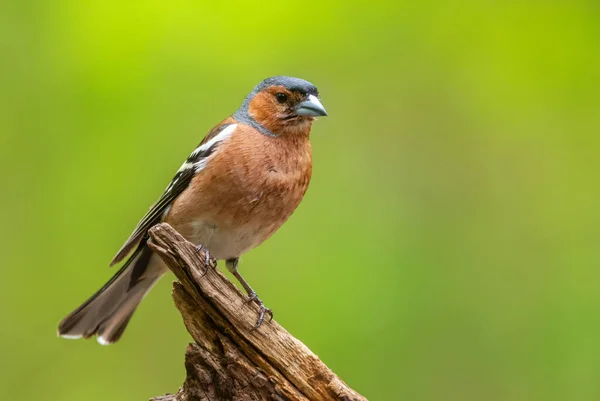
[(282, 105)]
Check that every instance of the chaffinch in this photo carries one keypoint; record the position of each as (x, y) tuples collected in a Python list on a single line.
[(239, 185)]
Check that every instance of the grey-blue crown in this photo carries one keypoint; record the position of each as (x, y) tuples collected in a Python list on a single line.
[(290, 83)]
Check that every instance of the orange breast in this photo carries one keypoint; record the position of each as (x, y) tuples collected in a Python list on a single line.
[(248, 189)]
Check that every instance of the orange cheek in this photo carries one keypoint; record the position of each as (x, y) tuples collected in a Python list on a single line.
[(265, 112)]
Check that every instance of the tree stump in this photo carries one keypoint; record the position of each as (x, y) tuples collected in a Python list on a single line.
[(229, 360)]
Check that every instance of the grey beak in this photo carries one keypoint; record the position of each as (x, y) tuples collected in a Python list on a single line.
[(311, 107)]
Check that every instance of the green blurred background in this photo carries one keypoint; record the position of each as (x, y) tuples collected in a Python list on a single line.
[(447, 248)]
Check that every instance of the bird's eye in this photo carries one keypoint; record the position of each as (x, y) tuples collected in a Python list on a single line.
[(281, 97)]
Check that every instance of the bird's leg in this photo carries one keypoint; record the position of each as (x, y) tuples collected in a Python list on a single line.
[(252, 297), (207, 259)]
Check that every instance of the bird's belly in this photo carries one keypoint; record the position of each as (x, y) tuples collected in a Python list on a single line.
[(228, 242), (229, 227)]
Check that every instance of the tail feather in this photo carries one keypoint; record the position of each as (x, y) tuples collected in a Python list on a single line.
[(107, 312)]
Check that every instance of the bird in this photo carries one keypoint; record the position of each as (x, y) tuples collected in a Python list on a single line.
[(236, 188)]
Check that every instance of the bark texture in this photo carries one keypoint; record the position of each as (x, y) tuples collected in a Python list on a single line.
[(229, 360)]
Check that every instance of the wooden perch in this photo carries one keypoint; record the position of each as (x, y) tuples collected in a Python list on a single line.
[(229, 360)]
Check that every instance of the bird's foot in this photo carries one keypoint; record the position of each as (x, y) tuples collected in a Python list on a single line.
[(252, 297), (207, 258)]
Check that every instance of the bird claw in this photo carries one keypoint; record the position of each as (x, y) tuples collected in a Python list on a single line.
[(207, 258), (252, 297)]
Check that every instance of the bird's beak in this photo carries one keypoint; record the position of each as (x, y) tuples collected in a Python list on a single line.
[(311, 107)]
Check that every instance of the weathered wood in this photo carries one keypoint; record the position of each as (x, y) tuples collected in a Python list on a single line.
[(229, 360)]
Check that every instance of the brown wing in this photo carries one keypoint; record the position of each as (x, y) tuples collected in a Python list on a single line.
[(178, 184)]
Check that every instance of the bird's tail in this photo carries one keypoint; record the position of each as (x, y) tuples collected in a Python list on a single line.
[(107, 312)]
